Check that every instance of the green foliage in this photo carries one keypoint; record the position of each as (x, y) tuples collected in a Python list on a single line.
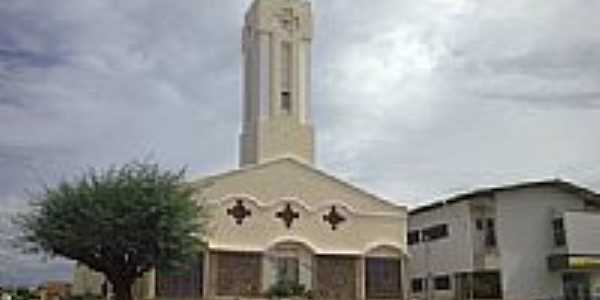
[(86, 297), (23, 294), (283, 289), (121, 222)]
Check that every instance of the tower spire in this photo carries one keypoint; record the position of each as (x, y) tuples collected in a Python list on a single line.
[(277, 38)]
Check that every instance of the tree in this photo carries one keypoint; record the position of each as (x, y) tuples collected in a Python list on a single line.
[(121, 222)]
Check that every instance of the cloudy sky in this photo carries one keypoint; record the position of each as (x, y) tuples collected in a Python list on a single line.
[(413, 100)]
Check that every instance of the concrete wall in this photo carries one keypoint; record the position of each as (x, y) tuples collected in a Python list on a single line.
[(525, 239), (448, 255)]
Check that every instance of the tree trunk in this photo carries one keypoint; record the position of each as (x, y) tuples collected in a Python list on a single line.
[(122, 289)]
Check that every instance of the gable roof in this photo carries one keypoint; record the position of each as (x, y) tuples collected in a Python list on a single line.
[(301, 164), (566, 186)]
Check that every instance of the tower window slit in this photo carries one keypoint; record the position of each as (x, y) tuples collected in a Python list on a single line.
[(286, 102), (286, 65), (286, 77)]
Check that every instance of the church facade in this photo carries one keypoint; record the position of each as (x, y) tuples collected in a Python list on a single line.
[(278, 218)]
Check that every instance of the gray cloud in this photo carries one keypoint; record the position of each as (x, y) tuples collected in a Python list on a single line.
[(412, 100)]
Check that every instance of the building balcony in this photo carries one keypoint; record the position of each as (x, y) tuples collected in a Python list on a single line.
[(577, 237), (582, 230)]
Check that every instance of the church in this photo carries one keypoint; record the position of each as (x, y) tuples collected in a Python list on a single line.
[(278, 218)]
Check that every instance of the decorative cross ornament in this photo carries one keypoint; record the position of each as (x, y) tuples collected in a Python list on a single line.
[(239, 212), (333, 218), (287, 215)]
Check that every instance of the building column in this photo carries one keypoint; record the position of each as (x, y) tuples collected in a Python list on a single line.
[(211, 270), (404, 273), (315, 282), (206, 266), (361, 278)]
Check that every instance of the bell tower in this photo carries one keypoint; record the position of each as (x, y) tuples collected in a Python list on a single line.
[(277, 38)]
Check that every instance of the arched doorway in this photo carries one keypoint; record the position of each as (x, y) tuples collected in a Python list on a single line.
[(289, 264)]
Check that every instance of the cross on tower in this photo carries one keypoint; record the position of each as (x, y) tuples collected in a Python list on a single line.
[(239, 212), (333, 218), (287, 215)]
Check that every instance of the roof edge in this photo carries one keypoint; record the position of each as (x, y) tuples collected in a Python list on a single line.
[(303, 164), (565, 185)]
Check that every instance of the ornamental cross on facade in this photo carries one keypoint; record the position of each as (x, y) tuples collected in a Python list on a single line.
[(287, 215), (239, 212), (333, 218)]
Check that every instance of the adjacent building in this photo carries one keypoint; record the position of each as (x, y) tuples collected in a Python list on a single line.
[(536, 240), (278, 218)]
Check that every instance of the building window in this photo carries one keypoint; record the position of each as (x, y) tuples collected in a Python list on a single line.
[(384, 278), (286, 102), (560, 238), (336, 277), (442, 282), (413, 237), (238, 274), (287, 270), (435, 232), (286, 77), (577, 286), (490, 233), (479, 285), (248, 83), (286, 66), (589, 205), (417, 285), (479, 224)]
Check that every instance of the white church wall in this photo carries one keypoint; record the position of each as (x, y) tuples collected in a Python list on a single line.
[(289, 178), (258, 232), (266, 190), (372, 227)]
